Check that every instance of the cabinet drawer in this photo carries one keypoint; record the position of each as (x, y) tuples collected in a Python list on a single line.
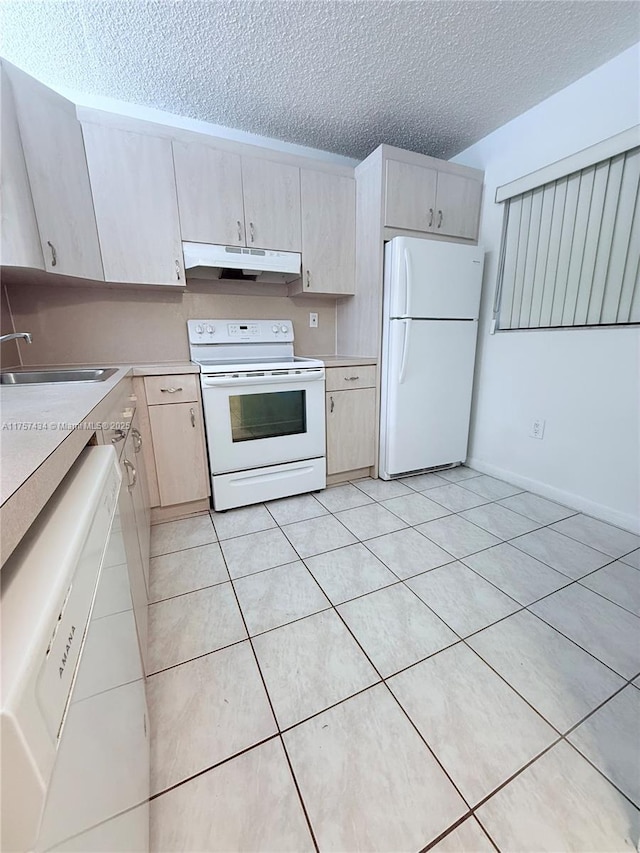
[(344, 378), (179, 388)]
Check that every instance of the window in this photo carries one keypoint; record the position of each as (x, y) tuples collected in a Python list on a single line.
[(570, 250)]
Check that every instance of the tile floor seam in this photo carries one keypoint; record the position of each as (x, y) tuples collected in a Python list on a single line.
[(213, 766), (602, 595), (601, 772), (540, 560), (186, 592), (615, 671), (476, 572), (197, 657), (279, 733), (573, 538), (453, 827), (273, 713)]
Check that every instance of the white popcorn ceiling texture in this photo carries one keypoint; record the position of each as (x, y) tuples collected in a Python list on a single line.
[(342, 76)]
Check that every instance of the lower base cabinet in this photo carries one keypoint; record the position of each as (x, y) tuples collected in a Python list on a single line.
[(351, 419), (179, 450)]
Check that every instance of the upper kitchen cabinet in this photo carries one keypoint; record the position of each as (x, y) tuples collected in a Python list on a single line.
[(19, 238), (410, 196), (271, 205), (432, 196), (59, 182), (209, 184), (328, 234), (136, 208)]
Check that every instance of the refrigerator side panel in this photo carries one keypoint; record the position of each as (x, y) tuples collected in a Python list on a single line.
[(437, 280), (427, 388)]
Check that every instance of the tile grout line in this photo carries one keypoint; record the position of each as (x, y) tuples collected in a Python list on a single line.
[(403, 581), (273, 714)]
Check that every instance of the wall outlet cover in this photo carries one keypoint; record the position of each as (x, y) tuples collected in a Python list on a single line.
[(537, 428), (313, 320)]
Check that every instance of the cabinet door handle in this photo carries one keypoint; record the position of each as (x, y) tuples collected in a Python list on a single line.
[(170, 390), (193, 418), (130, 467), (251, 231), (137, 440), (308, 279), (439, 218), (54, 254), (118, 435), (239, 224), (332, 404), (351, 378), (430, 217), (178, 269)]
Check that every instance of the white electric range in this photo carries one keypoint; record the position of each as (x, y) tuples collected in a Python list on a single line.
[(264, 410)]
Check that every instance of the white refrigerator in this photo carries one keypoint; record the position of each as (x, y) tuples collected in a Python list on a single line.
[(430, 323)]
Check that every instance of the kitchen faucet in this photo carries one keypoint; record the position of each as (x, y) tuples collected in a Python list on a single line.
[(14, 336)]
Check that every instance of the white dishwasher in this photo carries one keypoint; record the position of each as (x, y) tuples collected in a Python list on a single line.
[(75, 749)]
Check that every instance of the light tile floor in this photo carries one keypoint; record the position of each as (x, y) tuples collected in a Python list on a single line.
[(443, 663)]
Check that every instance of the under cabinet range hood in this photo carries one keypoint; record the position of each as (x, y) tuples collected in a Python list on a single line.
[(207, 261)]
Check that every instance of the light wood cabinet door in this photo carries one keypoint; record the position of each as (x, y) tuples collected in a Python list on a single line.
[(271, 205), (209, 184), (410, 196), (328, 232), (140, 494), (19, 238), (350, 429), (457, 206), (134, 193), (130, 533), (57, 168), (179, 449)]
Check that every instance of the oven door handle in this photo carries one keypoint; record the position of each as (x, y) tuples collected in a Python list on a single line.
[(256, 381)]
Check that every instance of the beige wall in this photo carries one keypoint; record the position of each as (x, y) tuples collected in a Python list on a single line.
[(9, 355), (76, 325)]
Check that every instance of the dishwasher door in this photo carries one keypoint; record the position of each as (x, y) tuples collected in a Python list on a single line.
[(75, 773)]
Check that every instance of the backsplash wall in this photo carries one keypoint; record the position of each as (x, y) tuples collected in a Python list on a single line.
[(95, 325), (9, 355)]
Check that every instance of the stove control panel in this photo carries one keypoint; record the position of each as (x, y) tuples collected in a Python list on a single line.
[(239, 331)]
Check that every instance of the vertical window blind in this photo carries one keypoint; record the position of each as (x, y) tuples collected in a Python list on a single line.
[(570, 253)]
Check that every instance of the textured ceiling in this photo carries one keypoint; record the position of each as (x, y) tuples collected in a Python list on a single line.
[(342, 76)]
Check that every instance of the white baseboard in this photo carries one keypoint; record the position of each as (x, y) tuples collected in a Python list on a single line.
[(627, 521)]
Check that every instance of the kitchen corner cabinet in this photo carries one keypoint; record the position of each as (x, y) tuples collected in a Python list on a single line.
[(425, 199), (328, 234), (177, 433), (136, 208), (350, 418), (54, 155), (19, 238)]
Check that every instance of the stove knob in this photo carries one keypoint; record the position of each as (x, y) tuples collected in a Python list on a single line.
[(199, 329), (210, 330), (284, 329), (275, 329)]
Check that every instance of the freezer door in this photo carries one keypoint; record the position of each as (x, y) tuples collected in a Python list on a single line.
[(426, 394), (427, 278)]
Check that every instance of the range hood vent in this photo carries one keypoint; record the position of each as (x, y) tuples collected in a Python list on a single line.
[(206, 261)]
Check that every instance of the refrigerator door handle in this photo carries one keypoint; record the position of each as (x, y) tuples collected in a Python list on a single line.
[(407, 289), (405, 350)]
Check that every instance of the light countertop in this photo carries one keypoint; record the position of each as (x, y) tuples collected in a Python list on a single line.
[(43, 429), (346, 360)]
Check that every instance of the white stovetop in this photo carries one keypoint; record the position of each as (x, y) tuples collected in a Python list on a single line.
[(265, 365)]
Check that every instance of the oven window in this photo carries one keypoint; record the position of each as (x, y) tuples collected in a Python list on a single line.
[(267, 415)]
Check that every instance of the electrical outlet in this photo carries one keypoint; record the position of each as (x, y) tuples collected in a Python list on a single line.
[(537, 429), (313, 321)]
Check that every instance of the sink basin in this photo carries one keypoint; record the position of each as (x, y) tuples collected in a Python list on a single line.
[(46, 377)]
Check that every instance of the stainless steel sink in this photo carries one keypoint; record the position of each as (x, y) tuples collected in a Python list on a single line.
[(46, 377)]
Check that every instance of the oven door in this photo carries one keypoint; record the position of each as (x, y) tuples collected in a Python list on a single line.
[(259, 419)]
